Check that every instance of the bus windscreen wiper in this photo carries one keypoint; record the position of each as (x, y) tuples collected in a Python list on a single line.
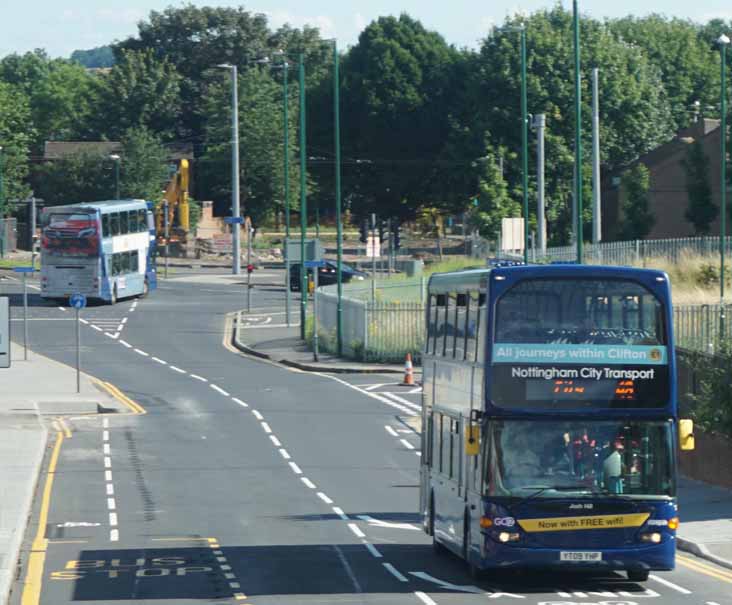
[(557, 488)]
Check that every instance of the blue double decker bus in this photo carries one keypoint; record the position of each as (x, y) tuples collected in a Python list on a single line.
[(104, 250), (550, 425)]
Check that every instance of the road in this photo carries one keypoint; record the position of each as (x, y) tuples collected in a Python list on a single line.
[(247, 482)]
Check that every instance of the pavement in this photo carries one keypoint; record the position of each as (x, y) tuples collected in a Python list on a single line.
[(36, 392), (249, 482)]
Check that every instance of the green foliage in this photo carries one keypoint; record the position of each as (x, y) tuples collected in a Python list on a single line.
[(494, 201), (141, 90), (101, 56), (637, 219), (143, 170), (194, 214), (713, 404), (16, 134), (701, 210)]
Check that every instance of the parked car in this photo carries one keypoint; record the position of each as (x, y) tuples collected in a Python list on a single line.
[(327, 275)]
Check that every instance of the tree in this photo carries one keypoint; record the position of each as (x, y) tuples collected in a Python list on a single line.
[(637, 218), (144, 167), (141, 91), (701, 211), (494, 201), (16, 133), (101, 56)]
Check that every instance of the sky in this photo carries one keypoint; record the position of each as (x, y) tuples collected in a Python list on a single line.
[(62, 27)]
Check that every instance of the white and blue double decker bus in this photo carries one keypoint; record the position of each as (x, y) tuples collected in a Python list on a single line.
[(104, 250), (550, 425)]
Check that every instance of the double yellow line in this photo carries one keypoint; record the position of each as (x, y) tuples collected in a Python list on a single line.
[(135, 407), (714, 572)]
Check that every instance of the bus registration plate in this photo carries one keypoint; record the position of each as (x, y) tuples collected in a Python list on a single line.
[(580, 556)]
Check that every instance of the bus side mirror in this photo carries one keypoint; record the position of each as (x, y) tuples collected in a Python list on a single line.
[(686, 434), (472, 440)]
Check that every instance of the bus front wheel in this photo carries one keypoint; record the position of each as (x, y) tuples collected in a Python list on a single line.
[(475, 572)]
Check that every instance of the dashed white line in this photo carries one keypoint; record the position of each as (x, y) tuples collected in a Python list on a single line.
[(339, 511), (62, 308), (107, 462), (356, 530), (391, 431), (266, 428), (106, 449), (105, 435), (105, 422), (160, 361), (120, 327), (218, 389), (324, 498), (285, 454), (97, 328), (225, 567), (229, 576), (240, 402), (373, 550), (125, 343), (221, 559), (424, 598), (111, 504), (670, 584), (406, 444), (307, 482), (113, 519), (218, 552), (276, 441), (139, 352), (82, 320), (234, 585), (177, 369), (110, 489), (197, 377), (394, 572), (107, 475), (114, 535), (296, 469), (257, 415), (124, 321)]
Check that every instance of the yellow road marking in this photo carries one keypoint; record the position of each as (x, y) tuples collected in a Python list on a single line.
[(121, 397), (37, 558), (181, 539), (705, 569), (64, 426), (68, 541)]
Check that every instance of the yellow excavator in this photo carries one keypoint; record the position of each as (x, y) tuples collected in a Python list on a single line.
[(176, 194)]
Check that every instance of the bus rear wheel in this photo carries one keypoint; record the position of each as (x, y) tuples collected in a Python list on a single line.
[(638, 575), (113, 296), (145, 289)]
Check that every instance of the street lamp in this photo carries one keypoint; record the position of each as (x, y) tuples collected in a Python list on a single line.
[(235, 210), (115, 158), (2, 205), (723, 42), (339, 221), (577, 132)]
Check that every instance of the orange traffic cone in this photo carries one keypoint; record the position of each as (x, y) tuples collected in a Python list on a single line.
[(408, 371)]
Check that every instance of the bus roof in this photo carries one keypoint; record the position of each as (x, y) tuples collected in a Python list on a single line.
[(103, 206), (459, 281)]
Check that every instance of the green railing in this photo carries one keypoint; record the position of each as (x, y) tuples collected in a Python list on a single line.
[(702, 327)]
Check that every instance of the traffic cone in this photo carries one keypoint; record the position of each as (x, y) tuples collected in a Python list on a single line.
[(408, 371)]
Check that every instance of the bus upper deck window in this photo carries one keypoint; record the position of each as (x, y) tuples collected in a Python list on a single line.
[(134, 227), (124, 223), (142, 220), (105, 225), (114, 223)]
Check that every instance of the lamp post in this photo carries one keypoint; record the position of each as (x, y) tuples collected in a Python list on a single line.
[(2, 205), (723, 42), (339, 222), (303, 197), (524, 145), (235, 210), (115, 158), (577, 131)]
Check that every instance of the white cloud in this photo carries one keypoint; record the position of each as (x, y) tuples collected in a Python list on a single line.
[(122, 15), (324, 23), (360, 22)]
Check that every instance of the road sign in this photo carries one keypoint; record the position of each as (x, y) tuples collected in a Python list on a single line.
[(78, 301), (311, 264), (231, 220), (22, 269), (4, 332), (373, 247), (313, 250)]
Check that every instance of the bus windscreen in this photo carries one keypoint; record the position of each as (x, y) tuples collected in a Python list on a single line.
[(579, 343)]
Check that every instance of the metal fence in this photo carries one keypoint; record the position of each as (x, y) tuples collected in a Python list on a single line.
[(702, 327), (8, 235)]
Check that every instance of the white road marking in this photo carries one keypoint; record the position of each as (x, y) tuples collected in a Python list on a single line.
[(394, 572), (257, 415), (197, 377), (106, 449), (105, 422), (339, 511), (285, 454), (324, 498), (139, 352), (234, 585), (391, 431), (107, 475), (307, 482), (418, 454), (219, 390), (114, 535), (266, 428), (62, 309), (160, 361), (406, 444), (107, 462), (295, 468), (240, 402), (113, 519), (111, 335), (373, 550), (127, 344), (372, 387), (276, 441), (356, 530), (712, 603), (97, 328), (385, 400), (221, 559), (387, 524), (417, 390), (110, 489), (177, 369), (218, 552), (82, 320), (424, 598), (406, 402), (124, 320), (111, 504), (105, 435), (225, 567), (229, 576), (120, 327), (670, 584), (427, 577)]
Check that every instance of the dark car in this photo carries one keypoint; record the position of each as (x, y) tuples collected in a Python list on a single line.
[(327, 275)]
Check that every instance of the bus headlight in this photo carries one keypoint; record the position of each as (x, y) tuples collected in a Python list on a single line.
[(505, 536), (654, 537)]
